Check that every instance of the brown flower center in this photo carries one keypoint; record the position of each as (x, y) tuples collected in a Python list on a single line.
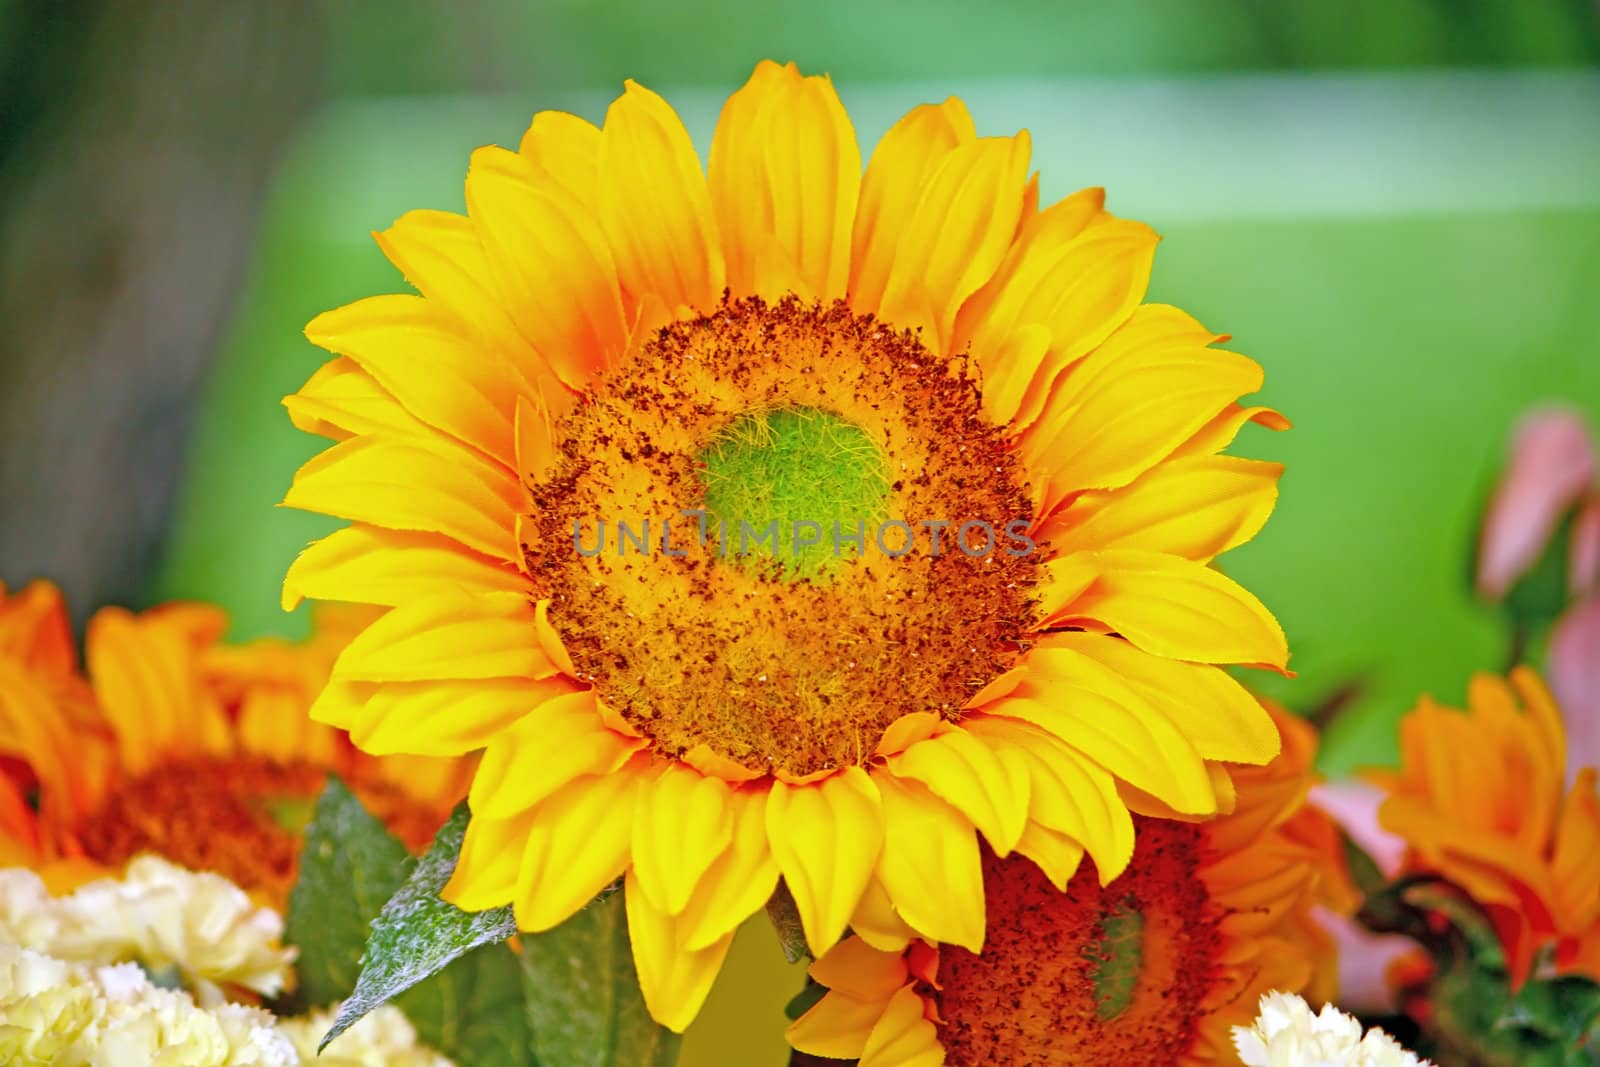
[(854, 547), (241, 817), (1096, 975)]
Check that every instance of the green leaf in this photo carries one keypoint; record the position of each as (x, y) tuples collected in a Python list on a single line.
[(349, 865), (416, 936), (583, 1002)]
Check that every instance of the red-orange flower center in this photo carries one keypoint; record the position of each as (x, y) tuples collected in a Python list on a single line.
[(793, 664), (1113, 975)]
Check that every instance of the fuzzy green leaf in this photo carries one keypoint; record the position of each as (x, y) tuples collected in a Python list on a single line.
[(417, 936), (583, 1002), (349, 865)]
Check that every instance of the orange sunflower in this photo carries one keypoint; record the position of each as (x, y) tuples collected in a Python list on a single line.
[(1155, 966), (179, 744), (781, 520), (1480, 799)]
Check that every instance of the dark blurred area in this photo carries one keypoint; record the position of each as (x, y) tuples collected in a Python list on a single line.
[(136, 144)]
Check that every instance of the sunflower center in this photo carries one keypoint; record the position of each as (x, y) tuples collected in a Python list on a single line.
[(242, 817), (777, 529), (1118, 974), (807, 475)]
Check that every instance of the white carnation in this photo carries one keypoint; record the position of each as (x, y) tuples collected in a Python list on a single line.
[(1287, 1034)]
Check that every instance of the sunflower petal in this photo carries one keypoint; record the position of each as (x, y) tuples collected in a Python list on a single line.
[(903, 1036), (449, 635), (856, 969), (682, 824), (364, 564), (969, 776), (431, 366), (539, 753), (341, 400), (485, 875), (930, 864), (653, 203), (1179, 609), (674, 980), (836, 1028), (1068, 793), (413, 485), (740, 881), (826, 837), (1218, 715), (1086, 705), (785, 171), (552, 263), (901, 165), (439, 253), (964, 221), (1197, 508), (568, 149), (578, 844)]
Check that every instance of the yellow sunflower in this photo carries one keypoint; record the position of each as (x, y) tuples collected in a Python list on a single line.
[(180, 744), (1153, 967), (781, 520)]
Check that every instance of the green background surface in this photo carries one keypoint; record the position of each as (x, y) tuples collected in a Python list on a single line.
[(1413, 257)]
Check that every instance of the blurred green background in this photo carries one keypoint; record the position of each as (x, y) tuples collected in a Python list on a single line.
[(1393, 204)]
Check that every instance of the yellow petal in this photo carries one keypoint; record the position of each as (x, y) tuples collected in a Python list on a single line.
[(491, 855), (1085, 704), (876, 921), (1217, 714), (552, 264), (541, 752), (1219, 433), (439, 253), (568, 149), (448, 635), (930, 864), (826, 837), (856, 969), (903, 1036), (997, 309), (740, 881), (1130, 402), (683, 823), (974, 779), (1056, 854), (964, 221), (341, 400), (836, 1027), (654, 207), (673, 979), (1067, 793), (434, 717), (430, 364), (364, 564), (785, 171), (901, 165), (1197, 508), (1179, 609), (578, 844), (407, 484)]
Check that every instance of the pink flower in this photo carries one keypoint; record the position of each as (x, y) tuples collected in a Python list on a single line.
[(1552, 464), (1573, 667)]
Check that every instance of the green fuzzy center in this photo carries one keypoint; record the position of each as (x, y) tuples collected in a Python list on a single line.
[(778, 481), (1117, 958)]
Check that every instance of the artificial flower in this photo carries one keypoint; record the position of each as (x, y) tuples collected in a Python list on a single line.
[(778, 519), (1155, 967), (1481, 801), (1288, 1034), (181, 744)]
